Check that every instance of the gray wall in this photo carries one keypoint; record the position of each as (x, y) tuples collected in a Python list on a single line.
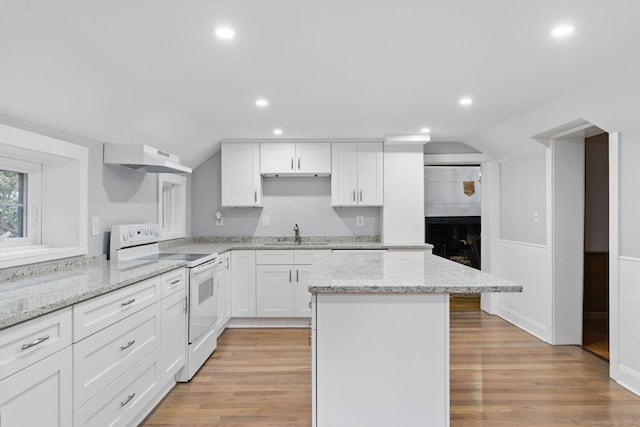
[(629, 200), (523, 191), (116, 195), (286, 201)]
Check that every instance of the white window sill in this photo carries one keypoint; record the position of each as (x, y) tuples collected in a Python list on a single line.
[(18, 256)]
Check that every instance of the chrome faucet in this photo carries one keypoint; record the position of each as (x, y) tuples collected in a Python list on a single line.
[(296, 230)]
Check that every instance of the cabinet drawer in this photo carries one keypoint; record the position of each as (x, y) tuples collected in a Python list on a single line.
[(104, 356), (305, 256), (122, 401), (29, 342), (173, 281), (98, 313), (283, 256)]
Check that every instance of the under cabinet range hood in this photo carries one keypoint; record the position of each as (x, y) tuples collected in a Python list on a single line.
[(142, 158)]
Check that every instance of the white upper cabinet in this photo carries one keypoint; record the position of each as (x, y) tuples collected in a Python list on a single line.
[(357, 174), (241, 182), (289, 158)]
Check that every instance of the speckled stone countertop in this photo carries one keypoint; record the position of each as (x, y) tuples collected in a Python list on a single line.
[(222, 244), (58, 285), (31, 291), (400, 272)]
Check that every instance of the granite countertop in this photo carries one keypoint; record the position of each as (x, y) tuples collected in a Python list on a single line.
[(32, 291), (220, 245), (30, 296), (400, 272)]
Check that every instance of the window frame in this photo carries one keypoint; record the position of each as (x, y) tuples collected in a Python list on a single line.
[(178, 206), (64, 193), (32, 202)]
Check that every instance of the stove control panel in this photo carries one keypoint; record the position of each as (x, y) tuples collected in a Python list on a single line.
[(129, 235)]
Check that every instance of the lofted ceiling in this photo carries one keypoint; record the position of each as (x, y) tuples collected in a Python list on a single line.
[(151, 71)]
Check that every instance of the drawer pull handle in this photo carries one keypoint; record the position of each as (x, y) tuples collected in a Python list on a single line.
[(127, 345), (175, 282), (131, 396), (126, 303), (36, 342)]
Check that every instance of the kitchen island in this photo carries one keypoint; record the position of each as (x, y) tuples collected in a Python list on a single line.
[(380, 336)]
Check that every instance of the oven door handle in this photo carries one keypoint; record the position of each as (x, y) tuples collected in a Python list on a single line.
[(209, 265)]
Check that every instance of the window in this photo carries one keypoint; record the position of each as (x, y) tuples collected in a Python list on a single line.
[(20, 183), (43, 198), (172, 205)]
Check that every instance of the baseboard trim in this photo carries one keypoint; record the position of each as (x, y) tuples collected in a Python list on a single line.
[(261, 322)]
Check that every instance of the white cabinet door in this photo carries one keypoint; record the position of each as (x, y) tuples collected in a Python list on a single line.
[(221, 296), (39, 395), (174, 335), (275, 290), (240, 178), (285, 158), (357, 174), (243, 283), (302, 296), (277, 157), (226, 314), (344, 174), (370, 174), (313, 158)]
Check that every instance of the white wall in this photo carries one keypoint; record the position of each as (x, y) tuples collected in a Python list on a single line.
[(443, 191), (116, 195), (286, 201), (403, 216), (514, 246), (627, 295), (567, 245)]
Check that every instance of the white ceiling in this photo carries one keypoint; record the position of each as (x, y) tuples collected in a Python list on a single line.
[(150, 71)]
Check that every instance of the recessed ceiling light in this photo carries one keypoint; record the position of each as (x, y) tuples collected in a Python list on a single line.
[(261, 102), (277, 131), (425, 130), (466, 101), (562, 30), (225, 33)]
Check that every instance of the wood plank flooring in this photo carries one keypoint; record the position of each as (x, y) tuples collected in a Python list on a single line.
[(500, 376)]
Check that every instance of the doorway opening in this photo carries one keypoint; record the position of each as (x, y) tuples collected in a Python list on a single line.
[(453, 220), (595, 320)]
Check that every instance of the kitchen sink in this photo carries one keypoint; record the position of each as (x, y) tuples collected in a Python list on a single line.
[(296, 244)]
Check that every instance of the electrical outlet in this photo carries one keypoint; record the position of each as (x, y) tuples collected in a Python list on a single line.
[(360, 221), (536, 217), (266, 221), (219, 218)]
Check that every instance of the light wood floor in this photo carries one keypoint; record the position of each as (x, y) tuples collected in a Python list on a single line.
[(500, 376)]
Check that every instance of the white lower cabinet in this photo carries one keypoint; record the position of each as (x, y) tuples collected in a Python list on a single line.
[(223, 290), (282, 279), (108, 354), (174, 335), (36, 372), (121, 402), (39, 395), (243, 283)]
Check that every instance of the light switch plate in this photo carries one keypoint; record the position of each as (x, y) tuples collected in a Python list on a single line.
[(95, 226), (266, 221), (536, 217), (360, 221)]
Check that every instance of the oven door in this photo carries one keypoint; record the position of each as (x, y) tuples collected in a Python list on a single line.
[(202, 301)]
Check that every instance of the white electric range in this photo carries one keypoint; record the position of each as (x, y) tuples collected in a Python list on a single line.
[(139, 242)]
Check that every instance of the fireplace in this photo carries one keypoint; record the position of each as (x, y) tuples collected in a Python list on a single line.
[(455, 237)]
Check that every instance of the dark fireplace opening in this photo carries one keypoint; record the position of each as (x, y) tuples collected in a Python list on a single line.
[(455, 237)]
